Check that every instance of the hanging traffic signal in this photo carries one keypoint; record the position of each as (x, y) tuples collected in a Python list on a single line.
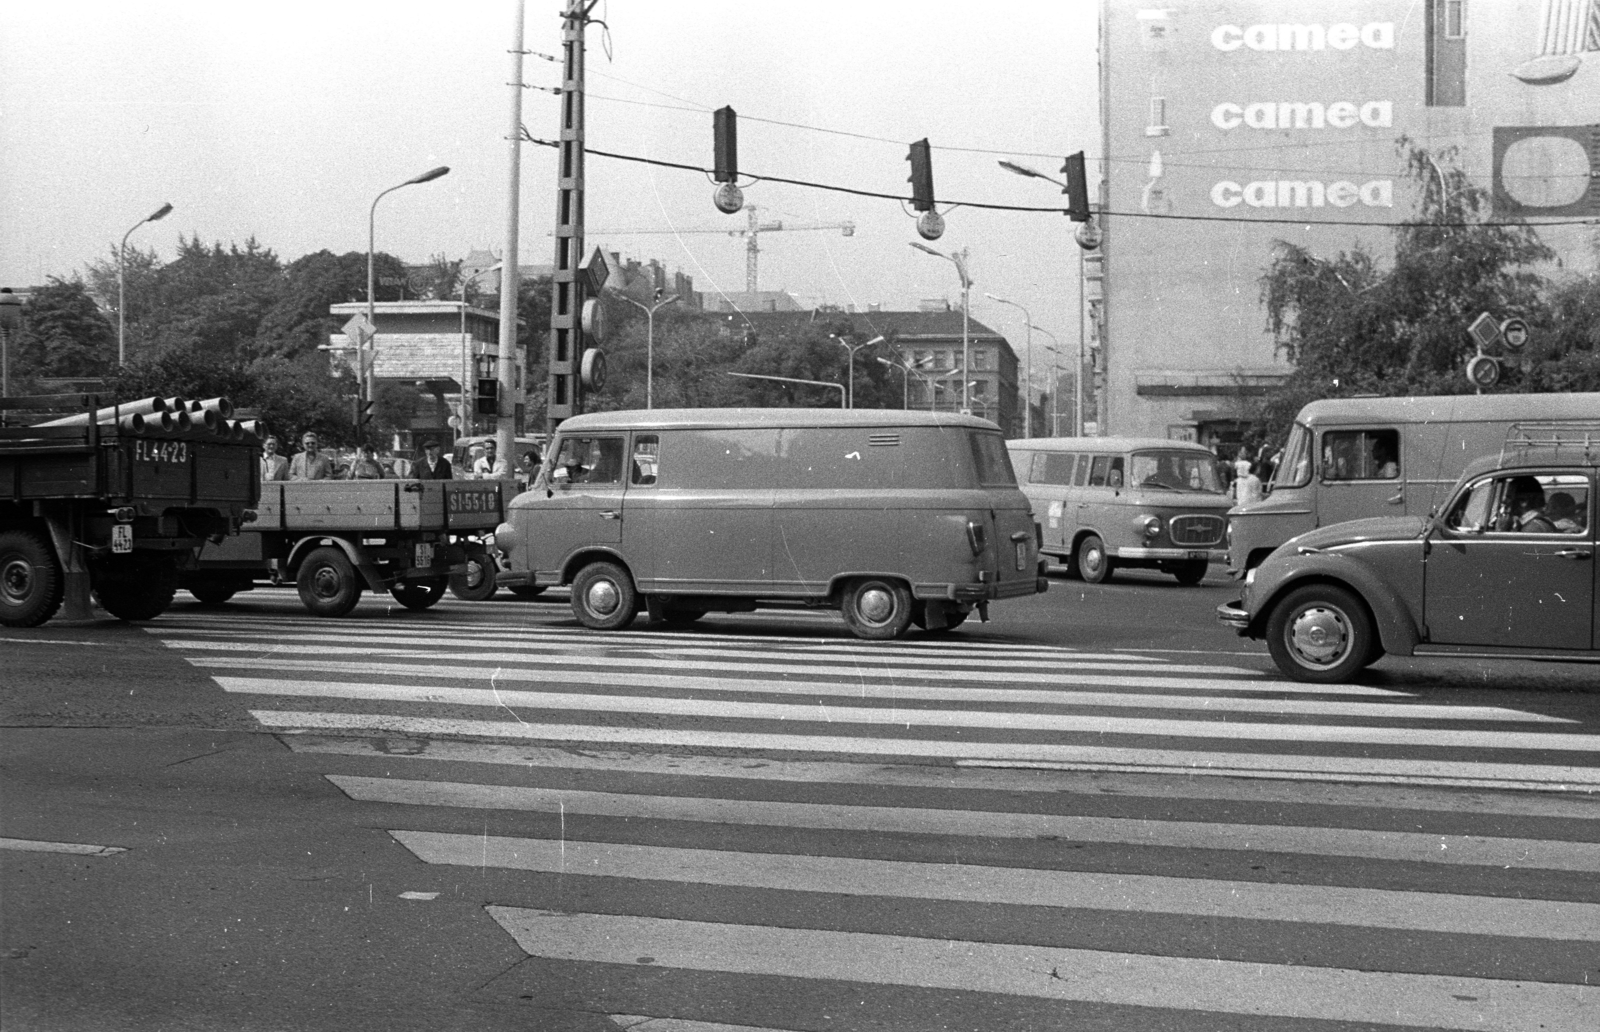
[(921, 176), (725, 128), (488, 396), (1077, 188)]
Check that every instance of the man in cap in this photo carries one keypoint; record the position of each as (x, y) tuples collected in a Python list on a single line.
[(434, 466)]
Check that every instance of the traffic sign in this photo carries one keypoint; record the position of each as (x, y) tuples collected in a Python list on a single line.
[(1485, 330), (1483, 371), (1515, 333), (360, 329)]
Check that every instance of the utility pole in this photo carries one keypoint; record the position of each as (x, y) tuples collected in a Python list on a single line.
[(510, 389), (567, 291)]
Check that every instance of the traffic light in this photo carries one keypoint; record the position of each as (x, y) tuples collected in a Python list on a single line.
[(1077, 188), (921, 176), (362, 414), (725, 127), (488, 396)]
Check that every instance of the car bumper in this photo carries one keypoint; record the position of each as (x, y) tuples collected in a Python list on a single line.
[(1210, 555), (1232, 614)]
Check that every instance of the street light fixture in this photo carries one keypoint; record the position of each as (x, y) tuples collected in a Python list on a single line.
[(1027, 393), (649, 339), (122, 260), (907, 370), (959, 260), (372, 219), (844, 342)]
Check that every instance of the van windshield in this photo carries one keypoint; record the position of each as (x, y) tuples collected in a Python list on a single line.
[(1176, 471), (1294, 468)]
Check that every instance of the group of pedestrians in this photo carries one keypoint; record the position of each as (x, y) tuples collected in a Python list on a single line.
[(312, 463)]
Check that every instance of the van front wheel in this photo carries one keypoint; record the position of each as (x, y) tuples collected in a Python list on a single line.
[(877, 609), (603, 597), (1094, 565)]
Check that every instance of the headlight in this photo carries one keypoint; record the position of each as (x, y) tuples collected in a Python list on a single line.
[(1227, 535), (1152, 526)]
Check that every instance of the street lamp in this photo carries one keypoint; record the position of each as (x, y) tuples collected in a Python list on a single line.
[(372, 220), (122, 260), (1077, 385), (1027, 393), (959, 260), (844, 342), (907, 369), (649, 339), (791, 379), (466, 363)]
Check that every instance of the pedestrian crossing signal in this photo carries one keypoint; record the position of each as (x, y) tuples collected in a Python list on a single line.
[(488, 397)]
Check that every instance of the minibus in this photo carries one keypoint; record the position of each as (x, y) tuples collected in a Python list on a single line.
[(1109, 503)]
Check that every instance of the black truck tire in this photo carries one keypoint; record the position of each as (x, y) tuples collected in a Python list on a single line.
[(31, 582), (135, 591), (328, 583), (477, 582), (418, 595)]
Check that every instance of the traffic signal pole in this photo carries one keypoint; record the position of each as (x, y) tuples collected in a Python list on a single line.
[(567, 290)]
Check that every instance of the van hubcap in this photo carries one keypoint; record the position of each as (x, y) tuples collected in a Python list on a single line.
[(875, 604), (1320, 636), (602, 597)]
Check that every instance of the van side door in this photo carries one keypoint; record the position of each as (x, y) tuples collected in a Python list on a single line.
[(1362, 473), (584, 504), (1050, 490)]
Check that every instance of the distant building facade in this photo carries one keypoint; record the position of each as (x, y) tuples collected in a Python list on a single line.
[(1232, 124)]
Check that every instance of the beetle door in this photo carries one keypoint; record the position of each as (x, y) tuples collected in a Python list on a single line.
[(1496, 575)]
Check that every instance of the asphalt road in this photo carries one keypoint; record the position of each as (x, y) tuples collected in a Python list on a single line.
[(409, 877)]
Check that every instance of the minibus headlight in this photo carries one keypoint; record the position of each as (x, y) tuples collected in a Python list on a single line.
[(1152, 526)]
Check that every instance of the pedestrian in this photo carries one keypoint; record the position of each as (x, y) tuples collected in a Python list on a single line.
[(527, 469), (273, 465), (433, 465), (312, 463), (366, 465), (1246, 485), (488, 466)]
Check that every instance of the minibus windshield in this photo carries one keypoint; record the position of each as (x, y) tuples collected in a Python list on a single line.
[(1175, 471)]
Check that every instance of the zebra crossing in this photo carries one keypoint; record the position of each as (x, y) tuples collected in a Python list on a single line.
[(762, 828)]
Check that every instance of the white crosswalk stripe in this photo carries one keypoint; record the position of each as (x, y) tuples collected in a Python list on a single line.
[(825, 814)]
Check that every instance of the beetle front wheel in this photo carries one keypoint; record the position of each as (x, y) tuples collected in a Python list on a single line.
[(1320, 633)]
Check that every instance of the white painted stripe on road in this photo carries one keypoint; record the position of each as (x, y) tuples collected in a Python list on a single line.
[(964, 778), (898, 692), (988, 824), (75, 848), (1566, 777), (645, 1023), (1090, 976), (920, 718), (1424, 780), (1434, 912)]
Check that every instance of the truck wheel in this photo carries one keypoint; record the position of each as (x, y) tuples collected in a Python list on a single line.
[(1190, 573), (31, 583), (527, 591), (478, 582), (1094, 565), (213, 593), (135, 591), (418, 595), (603, 597), (327, 582), (1320, 633), (876, 608)]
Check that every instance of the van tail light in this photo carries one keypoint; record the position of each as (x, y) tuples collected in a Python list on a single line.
[(977, 537), (1038, 536)]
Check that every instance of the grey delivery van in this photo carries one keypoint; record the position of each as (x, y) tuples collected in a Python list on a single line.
[(1130, 502), (891, 517), (1349, 458)]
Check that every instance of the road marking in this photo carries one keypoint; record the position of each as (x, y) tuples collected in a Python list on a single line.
[(918, 717), (954, 780), (1436, 912), (1172, 760), (1128, 979), (75, 848), (645, 1023), (894, 692), (988, 824)]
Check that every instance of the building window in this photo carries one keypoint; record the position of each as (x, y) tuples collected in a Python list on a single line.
[(1158, 118), (1446, 64)]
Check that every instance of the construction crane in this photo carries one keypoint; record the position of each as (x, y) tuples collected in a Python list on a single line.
[(750, 232)]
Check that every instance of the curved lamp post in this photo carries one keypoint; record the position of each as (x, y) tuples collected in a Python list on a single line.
[(649, 339), (372, 218), (959, 260), (1027, 393), (1077, 385), (122, 256), (844, 342)]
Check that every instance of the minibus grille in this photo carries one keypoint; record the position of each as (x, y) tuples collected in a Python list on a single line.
[(1197, 530)]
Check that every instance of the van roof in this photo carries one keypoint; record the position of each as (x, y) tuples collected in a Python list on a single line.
[(1451, 408), (1103, 444), (698, 418)]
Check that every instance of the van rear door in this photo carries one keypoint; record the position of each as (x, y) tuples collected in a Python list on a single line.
[(1010, 556)]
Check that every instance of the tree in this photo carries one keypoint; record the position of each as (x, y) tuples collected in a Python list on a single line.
[(299, 322), (1353, 325), (63, 334)]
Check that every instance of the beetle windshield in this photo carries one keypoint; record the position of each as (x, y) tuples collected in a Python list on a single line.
[(1176, 471)]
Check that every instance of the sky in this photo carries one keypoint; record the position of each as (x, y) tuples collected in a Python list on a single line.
[(284, 122)]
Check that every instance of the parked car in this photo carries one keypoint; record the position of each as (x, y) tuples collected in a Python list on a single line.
[(1109, 503), (1506, 569), (891, 517)]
